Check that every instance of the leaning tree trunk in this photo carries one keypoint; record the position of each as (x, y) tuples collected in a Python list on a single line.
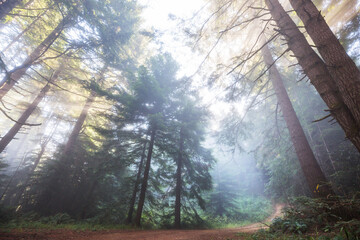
[(78, 125), (340, 65), (138, 177), (316, 70), (316, 180), (178, 187), (7, 6), (13, 77), (9, 136), (145, 179)]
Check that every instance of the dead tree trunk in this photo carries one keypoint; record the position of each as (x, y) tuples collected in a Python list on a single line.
[(15, 75), (9, 136), (178, 187), (318, 184), (145, 179), (136, 187), (316, 70), (340, 65)]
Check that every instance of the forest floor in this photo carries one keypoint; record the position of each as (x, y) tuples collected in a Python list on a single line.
[(213, 234)]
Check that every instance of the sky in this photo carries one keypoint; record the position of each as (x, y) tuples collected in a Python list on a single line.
[(157, 11), (156, 14)]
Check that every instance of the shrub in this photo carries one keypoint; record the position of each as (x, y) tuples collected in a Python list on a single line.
[(306, 214)]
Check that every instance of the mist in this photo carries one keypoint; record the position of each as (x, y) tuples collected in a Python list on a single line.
[(228, 119)]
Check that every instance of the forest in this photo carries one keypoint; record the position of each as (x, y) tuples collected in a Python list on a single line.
[(193, 119)]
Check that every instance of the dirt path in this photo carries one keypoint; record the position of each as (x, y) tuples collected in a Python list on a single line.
[(214, 234)]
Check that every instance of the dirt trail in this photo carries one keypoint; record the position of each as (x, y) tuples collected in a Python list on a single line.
[(214, 234)]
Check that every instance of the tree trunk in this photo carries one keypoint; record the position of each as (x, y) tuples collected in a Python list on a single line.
[(3, 196), (25, 30), (178, 188), (7, 6), (340, 65), (138, 177), (9, 136), (316, 180), (326, 148), (145, 180), (316, 70), (35, 165), (78, 125), (13, 77)]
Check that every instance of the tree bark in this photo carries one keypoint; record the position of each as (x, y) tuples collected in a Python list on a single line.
[(138, 177), (316, 70), (178, 187), (15, 75), (316, 180), (79, 123), (145, 179), (9, 136), (7, 6), (340, 65)]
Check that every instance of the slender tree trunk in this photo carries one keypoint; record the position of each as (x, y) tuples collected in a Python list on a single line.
[(9, 136), (7, 6), (145, 179), (138, 177), (326, 148), (340, 65), (15, 75), (312, 141), (25, 30), (78, 125), (178, 187), (316, 180), (12, 177), (35, 165), (38, 158), (316, 70)]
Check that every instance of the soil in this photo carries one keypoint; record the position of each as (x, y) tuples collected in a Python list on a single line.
[(214, 234)]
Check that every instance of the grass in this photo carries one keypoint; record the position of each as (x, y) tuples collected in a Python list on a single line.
[(232, 224), (78, 226), (252, 210)]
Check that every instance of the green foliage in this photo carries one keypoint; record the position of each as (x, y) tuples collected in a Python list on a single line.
[(289, 225), (33, 220), (249, 209), (6, 214), (327, 215)]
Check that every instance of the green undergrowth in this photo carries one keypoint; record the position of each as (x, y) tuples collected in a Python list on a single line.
[(315, 219), (219, 225), (250, 209), (266, 234), (58, 221)]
